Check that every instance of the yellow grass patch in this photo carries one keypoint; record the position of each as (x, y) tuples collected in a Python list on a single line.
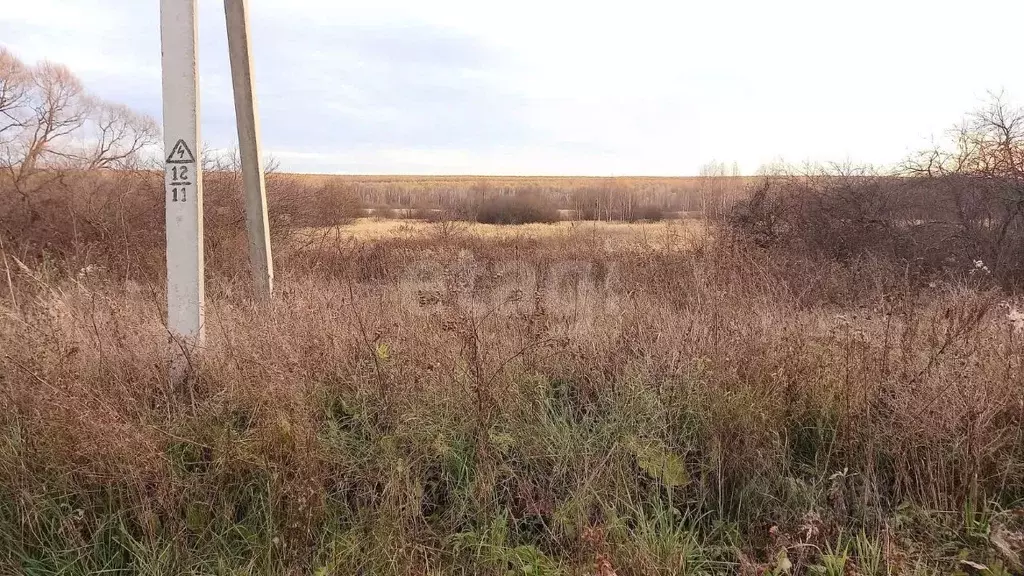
[(614, 234)]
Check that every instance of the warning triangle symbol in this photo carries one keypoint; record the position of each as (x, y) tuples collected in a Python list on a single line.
[(180, 154)]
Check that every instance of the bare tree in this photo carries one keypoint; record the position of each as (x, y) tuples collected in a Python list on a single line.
[(119, 135), (711, 186), (980, 173), (49, 124), (59, 107), (14, 88)]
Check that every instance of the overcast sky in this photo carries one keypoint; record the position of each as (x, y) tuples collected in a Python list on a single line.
[(560, 86)]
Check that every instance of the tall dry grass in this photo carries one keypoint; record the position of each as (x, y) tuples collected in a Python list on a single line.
[(462, 403)]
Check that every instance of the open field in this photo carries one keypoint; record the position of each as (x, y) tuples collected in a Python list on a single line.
[(546, 399), (818, 371), (611, 235)]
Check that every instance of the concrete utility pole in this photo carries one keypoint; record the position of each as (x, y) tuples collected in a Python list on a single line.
[(260, 257), (183, 183)]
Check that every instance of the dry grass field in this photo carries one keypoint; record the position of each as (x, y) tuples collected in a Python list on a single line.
[(821, 374), (612, 235), (577, 398)]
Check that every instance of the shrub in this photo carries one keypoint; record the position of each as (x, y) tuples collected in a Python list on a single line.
[(948, 210), (518, 209), (648, 212), (844, 215)]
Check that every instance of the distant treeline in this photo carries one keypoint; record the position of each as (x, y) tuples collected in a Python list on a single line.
[(514, 199)]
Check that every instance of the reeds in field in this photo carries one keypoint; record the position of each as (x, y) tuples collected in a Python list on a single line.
[(540, 404)]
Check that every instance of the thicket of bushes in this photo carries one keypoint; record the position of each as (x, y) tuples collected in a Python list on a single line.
[(950, 210), (115, 219), (522, 208), (590, 198), (647, 213)]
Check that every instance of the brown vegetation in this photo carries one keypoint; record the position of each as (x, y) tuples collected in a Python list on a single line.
[(583, 198), (521, 208), (951, 210), (424, 403), (793, 393)]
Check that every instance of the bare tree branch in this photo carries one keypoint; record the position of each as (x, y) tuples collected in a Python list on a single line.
[(50, 125)]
